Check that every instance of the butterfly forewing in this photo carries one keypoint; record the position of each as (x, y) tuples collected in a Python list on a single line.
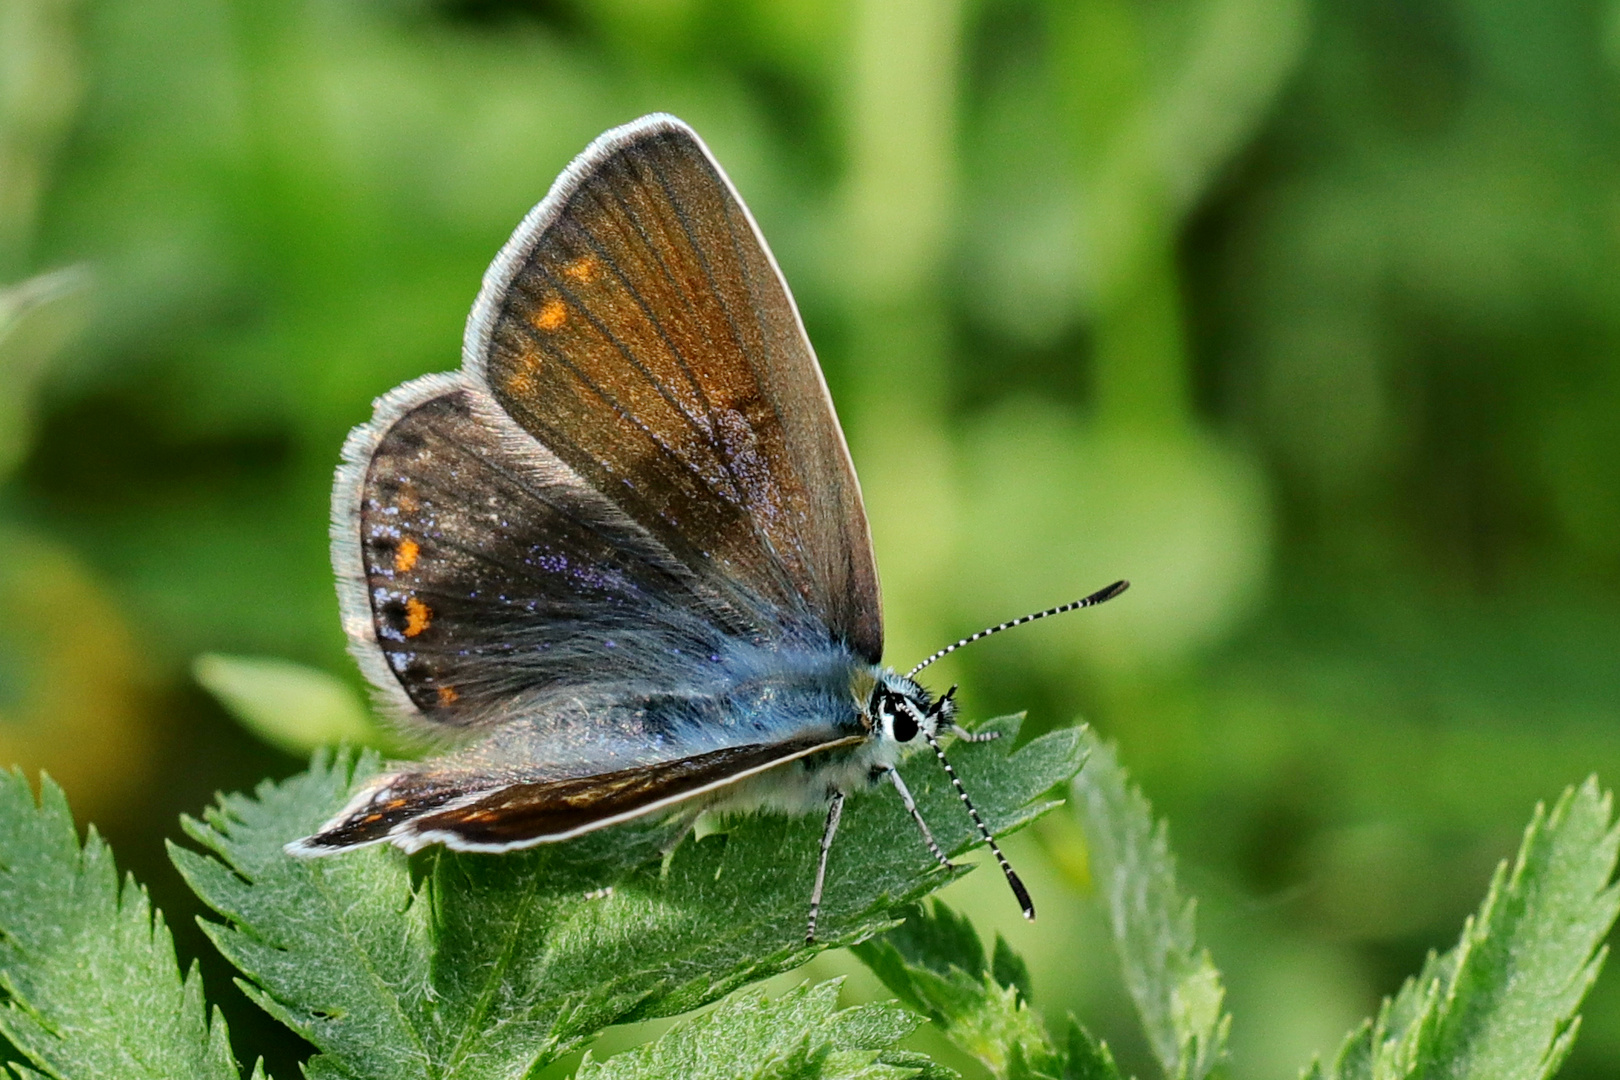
[(641, 332)]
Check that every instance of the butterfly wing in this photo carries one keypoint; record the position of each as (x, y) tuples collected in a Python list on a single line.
[(415, 808), (637, 325), (490, 574), (637, 468)]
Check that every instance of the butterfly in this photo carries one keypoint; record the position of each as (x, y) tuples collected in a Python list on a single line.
[(619, 560)]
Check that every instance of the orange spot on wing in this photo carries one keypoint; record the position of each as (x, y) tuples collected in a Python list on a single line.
[(552, 314), (405, 556), (520, 380), (418, 617), (448, 695), (583, 269), (369, 818)]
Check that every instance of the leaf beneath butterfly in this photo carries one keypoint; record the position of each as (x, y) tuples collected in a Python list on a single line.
[(802, 1035), (461, 965)]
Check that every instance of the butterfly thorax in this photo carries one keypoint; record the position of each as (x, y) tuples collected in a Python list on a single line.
[(886, 710)]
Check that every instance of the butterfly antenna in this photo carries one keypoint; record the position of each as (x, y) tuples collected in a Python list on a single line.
[(1090, 601), (1018, 889)]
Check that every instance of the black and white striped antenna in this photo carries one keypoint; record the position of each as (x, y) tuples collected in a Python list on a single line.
[(1093, 600)]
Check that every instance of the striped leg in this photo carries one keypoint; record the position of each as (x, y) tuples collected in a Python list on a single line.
[(916, 815), (835, 811), (974, 736)]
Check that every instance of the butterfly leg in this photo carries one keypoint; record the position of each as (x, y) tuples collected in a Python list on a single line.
[(835, 811), (964, 735), (916, 815)]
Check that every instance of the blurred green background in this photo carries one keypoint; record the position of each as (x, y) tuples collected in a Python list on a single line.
[(1304, 316)]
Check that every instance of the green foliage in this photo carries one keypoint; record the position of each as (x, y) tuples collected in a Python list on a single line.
[(1392, 328), (1178, 992), (1365, 252), (935, 963), (91, 984), (1502, 1004), (456, 966), (464, 966), (799, 1036)]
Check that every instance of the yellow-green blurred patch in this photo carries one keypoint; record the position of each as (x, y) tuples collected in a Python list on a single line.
[(288, 705)]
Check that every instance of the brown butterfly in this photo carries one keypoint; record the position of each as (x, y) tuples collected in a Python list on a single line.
[(621, 554)]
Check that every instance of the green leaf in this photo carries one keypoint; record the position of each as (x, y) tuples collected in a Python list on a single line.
[(88, 968), (1088, 1058), (799, 1036), (935, 963), (1502, 1003), (460, 965), (288, 705), (1174, 983)]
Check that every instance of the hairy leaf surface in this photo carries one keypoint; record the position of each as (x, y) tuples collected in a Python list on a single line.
[(801, 1035), (465, 965), (1502, 1004), (1175, 985), (935, 963), (88, 968)]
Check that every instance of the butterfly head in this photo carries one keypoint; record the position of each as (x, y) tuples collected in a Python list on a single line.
[(901, 710)]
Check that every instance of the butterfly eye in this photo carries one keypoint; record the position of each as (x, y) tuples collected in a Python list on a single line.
[(905, 726)]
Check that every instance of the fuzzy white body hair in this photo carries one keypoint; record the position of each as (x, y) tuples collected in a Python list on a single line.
[(805, 787)]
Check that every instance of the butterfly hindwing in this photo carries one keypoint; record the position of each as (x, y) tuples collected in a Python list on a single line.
[(421, 807), (487, 568)]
